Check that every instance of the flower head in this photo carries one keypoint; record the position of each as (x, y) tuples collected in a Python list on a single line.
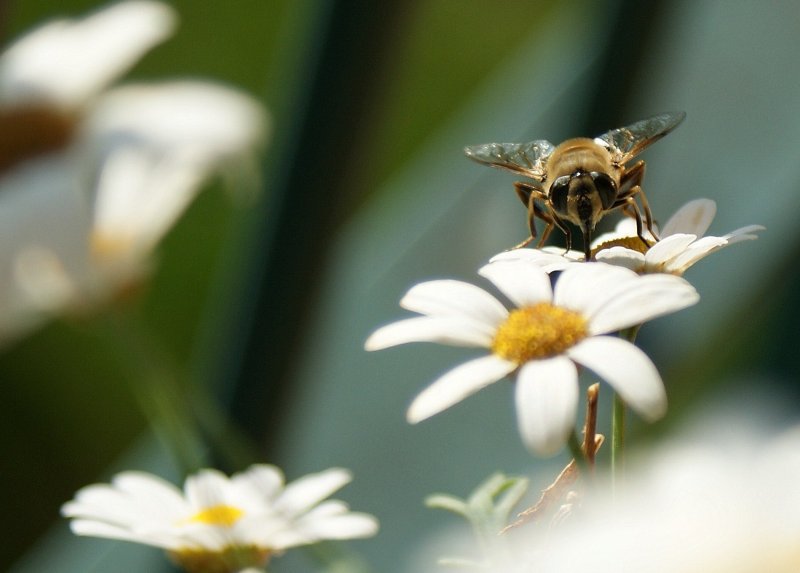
[(681, 245), (217, 523), (547, 332), (92, 178)]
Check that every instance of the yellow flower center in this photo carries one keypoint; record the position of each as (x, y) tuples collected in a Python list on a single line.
[(224, 515), (632, 243), (231, 559), (538, 331), (31, 131)]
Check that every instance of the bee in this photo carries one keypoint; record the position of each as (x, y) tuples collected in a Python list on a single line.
[(581, 179)]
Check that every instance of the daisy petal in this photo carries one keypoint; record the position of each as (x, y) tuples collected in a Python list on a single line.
[(454, 298), (547, 259), (696, 251), (458, 383), (349, 526), (744, 233), (621, 257), (546, 402), (644, 299), (669, 247), (42, 65), (572, 289), (693, 218), (627, 369), (302, 494), (452, 331), (524, 282)]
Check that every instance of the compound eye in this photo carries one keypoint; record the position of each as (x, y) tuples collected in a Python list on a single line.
[(605, 187), (559, 191)]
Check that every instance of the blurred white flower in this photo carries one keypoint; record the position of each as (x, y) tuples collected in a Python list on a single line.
[(720, 498), (682, 244), (730, 507), (90, 178), (218, 523), (541, 339)]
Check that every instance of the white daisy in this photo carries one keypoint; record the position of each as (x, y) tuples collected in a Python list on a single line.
[(681, 245), (217, 523), (91, 178), (541, 339)]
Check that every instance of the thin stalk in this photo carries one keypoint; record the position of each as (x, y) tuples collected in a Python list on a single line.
[(576, 449), (618, 424), (157, 390)]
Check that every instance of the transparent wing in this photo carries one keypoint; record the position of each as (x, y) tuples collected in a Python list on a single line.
[(626, 142), (525, 158)]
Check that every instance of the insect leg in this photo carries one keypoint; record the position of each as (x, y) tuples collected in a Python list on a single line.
[(629, 203), (630, 185), (527, 192)]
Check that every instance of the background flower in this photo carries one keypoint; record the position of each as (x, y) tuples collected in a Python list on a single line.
[(102, 174), (219, 523)]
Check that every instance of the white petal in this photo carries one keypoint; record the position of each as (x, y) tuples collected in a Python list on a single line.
[(456, 299), (547, 259), (347, 526), (104, 530), (205, 122), (668, 248), (583, 287), (648, 297), (306, 492), (696, 251), (522, 281), (68, 61), (627, 369), (693, 218), (621, 257), (744, 233), (206, 488), (452, 331), (546, 402), (267, 480), (157, 144), (458, 383)]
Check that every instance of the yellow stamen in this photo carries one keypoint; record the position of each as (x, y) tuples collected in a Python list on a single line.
[(224, 515), (632, 243), (538, 331)]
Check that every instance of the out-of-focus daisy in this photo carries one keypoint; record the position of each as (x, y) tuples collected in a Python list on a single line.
[(722, 499), (91, 178), (731, 507), (219, 524), (547, 332), (681, 245)]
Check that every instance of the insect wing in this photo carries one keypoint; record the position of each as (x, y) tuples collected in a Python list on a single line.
[(626, 142), (525, 158)]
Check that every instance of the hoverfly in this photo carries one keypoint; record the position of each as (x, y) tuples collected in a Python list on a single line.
[(581, 179)]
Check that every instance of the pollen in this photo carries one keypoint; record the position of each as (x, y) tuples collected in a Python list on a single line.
[(632, 243), (538, 331), (224, 515)]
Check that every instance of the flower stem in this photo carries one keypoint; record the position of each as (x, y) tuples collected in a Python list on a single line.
[(617, 439), (576, 449), (157, 388), (618, 424)]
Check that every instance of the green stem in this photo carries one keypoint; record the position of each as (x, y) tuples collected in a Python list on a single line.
[(618, 423), (157, 389), (617, 439)]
